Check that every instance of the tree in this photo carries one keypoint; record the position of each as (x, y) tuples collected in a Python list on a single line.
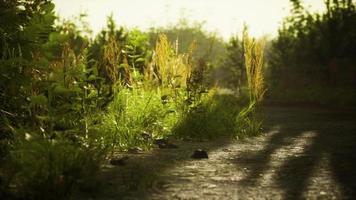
[(234, 63), (24, 27), (316, 50)]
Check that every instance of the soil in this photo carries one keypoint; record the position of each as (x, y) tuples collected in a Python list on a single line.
[(304, 153)]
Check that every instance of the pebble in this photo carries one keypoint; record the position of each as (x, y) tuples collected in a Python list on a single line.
[(119, 161), (200, 154)]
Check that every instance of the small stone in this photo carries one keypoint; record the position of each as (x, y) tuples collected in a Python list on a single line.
[(200, 154), (119, 161)]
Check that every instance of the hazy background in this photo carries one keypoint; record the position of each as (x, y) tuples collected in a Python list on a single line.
[(225, 17)]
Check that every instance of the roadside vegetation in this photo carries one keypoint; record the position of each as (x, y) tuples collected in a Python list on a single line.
[(68, 101)]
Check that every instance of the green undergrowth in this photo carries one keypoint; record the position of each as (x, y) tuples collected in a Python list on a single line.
[(73, 120), (134, 113), (39, 168), (337, 97), (214, 116), (43, 165)]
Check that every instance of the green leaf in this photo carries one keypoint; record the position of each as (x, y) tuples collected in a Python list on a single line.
[(38, 100), (140, 60)]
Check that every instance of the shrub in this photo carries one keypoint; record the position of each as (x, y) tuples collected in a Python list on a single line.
[(50, 169), (212, 117), (133, 112)]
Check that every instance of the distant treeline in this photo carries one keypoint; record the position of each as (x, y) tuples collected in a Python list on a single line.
[(312, 51), (312, 59)]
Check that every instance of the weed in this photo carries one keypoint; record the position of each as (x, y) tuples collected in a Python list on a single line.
[(133, 112), (254, 55), (249, 123), (213, 117), (171, 69), (50, 169)]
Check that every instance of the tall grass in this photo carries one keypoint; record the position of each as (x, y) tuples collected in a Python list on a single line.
[(254, 61), (111, 60), (152, 104), (134, 112), (249, 123), (171, 69), (212, 117), (169, 99)]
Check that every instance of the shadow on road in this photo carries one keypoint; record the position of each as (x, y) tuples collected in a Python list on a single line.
[(142, 175), (333, 143), (326, 142)]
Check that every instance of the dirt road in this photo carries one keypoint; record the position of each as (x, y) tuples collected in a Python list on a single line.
[(304, 153)]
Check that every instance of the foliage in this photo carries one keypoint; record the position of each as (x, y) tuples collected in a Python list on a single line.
[(50, 169), (137, 50), (24, 28), (67, 99), (25, 25), (113, 54), (211, 118), (44, 88), (133, 113), (208, 45), (154, 102), (231, 73), (209, 49), (171, 69), (315, 50), (321, 95), (254, 54), (248, 121)]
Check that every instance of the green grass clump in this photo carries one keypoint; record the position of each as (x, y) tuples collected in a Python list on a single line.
[(247, 120), (213, 117), (134, 112), (337, 97), (50, 169), (83, 119)]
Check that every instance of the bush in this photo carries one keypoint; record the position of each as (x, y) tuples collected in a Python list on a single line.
[(49, 169), (134, 112), (313, 94), (213, 117)]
